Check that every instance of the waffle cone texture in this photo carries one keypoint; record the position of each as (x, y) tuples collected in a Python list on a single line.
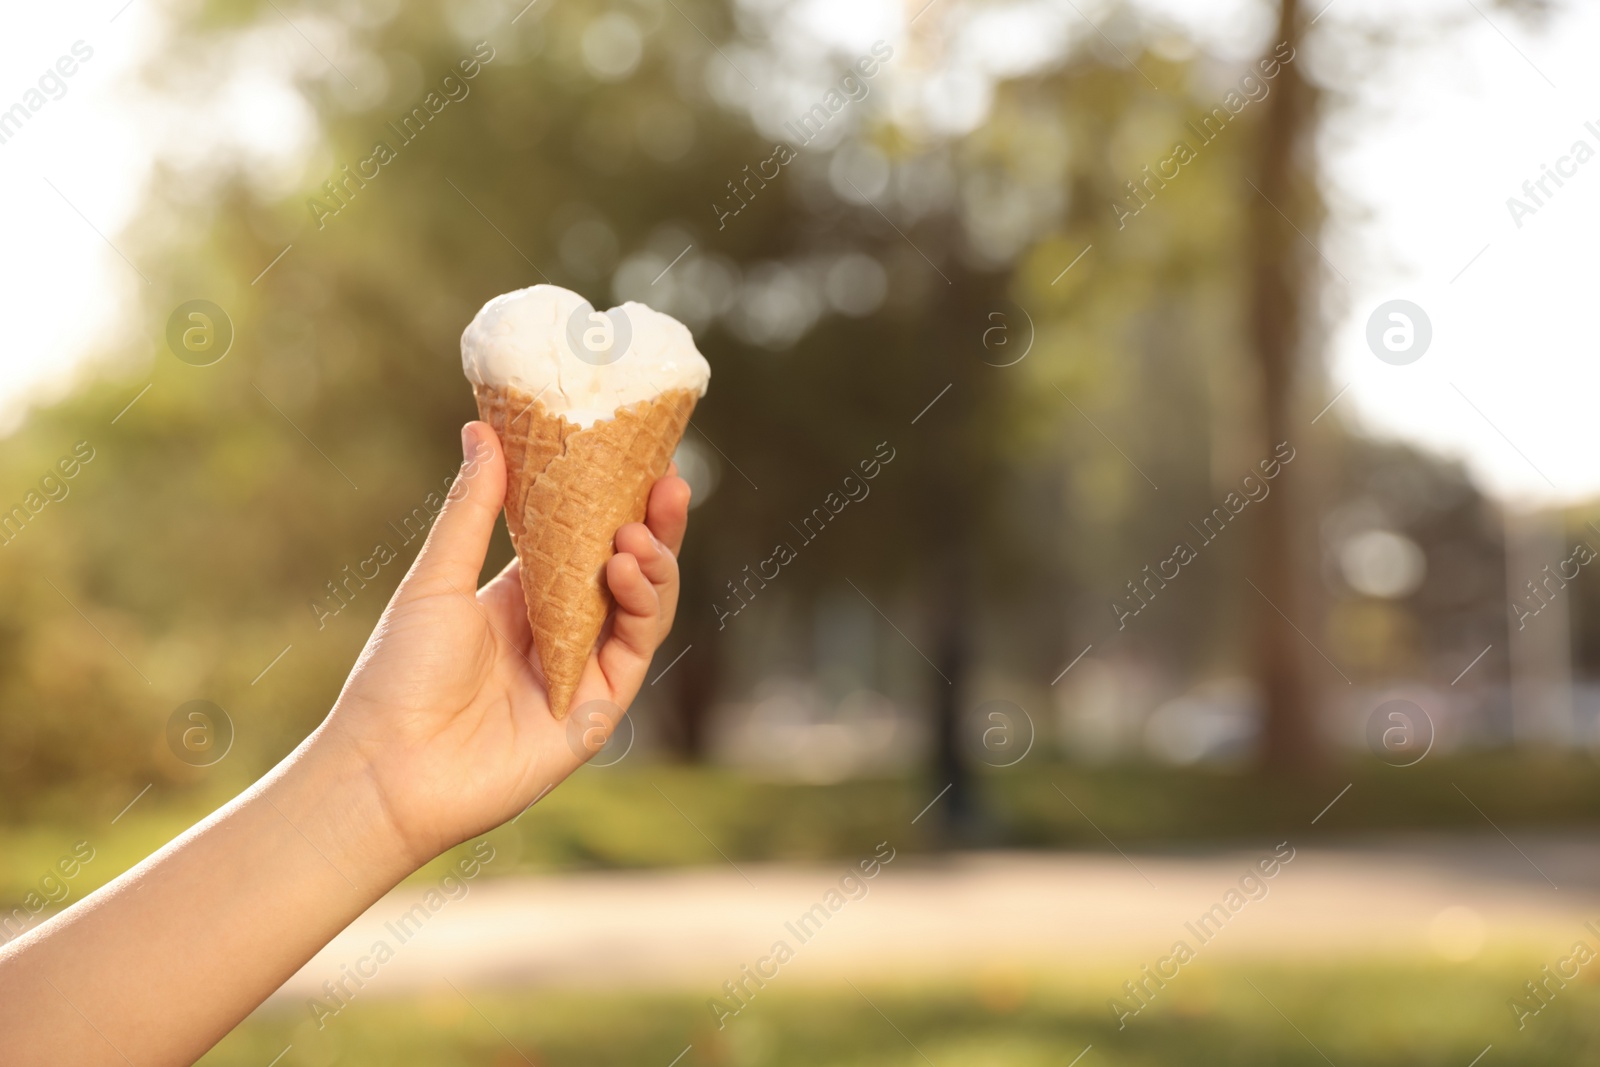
[(568, 490)]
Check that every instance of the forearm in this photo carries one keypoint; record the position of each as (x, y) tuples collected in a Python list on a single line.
[(157, 966)]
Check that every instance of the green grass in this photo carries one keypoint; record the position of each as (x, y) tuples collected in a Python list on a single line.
[(1371, 1014), (639, 814)]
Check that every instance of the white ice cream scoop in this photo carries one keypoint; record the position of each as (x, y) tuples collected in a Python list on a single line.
[(580, 363)]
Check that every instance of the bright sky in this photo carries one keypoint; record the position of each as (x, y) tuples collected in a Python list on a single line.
[(1433, 133), (1511, 378), (63, 285)]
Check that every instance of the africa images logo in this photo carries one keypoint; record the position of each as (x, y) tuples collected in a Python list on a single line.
[(51, 85)]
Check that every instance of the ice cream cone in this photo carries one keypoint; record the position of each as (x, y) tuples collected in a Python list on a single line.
[(589, 408), (568, 490)]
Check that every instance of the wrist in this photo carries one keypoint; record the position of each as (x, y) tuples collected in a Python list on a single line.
[(326, 790)]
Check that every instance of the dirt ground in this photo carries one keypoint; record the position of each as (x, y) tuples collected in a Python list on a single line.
[(1429, 897)]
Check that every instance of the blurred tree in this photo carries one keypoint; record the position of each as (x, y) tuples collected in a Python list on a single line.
[(1285, 277), (1287, 282)]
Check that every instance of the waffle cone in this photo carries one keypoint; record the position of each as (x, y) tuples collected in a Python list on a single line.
[(568, 490)]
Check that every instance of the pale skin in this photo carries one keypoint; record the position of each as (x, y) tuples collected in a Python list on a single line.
[(441, 732)]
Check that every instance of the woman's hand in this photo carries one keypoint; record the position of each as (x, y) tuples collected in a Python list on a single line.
[(445, 712)]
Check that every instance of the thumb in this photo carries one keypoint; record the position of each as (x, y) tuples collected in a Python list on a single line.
[(454, 552)]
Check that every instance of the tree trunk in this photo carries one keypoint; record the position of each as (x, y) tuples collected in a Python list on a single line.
[(693, 680), (695, 687), (1282, 280), (961, 476), (958, 810)]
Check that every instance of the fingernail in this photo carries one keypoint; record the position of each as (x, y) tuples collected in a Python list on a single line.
[(469, 437)]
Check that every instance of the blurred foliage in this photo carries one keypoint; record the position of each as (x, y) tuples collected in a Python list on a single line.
[(1003, 1016)]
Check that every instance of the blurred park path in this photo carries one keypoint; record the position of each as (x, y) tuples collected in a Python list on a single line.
[(1412, 897)]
